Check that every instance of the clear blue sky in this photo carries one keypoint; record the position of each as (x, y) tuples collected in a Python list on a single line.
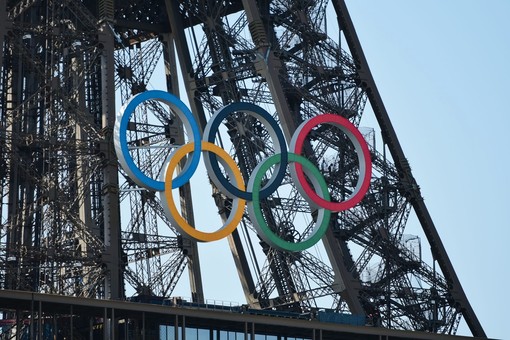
[(442, 70)]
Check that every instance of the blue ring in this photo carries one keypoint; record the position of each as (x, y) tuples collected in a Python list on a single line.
[(210, 134), (186, 116)]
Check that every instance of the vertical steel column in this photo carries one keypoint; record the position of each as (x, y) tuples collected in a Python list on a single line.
[(106, 324), (111, 205), (241, 262), (171, 72), (91, 328), (176, 327), (82, 170), (14, 93), (390, 138), (32, 315), (194, 272), (3, 30), (72, 322), (183, 327), (269, 66), (143, 326), (189, 81), (184, 56), (113, 325), (350, 286), (18, 324), (39, 321)]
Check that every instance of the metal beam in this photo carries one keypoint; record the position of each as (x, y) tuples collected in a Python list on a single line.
[(3, 29), (96, 307), (188, 75), (191, 247), (177, 29), (390, 138), (183, 54), (269, 66), (350, 287), (112, 257)]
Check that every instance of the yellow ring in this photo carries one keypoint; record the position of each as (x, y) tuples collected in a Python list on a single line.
[(237, 204)]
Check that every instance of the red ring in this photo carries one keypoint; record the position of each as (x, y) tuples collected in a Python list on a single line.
[(347, 127)]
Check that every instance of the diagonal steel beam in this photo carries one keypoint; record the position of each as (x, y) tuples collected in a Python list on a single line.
[(21, 7), (402, 165)]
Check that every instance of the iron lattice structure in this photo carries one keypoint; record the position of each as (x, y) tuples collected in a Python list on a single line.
[(65, 64)]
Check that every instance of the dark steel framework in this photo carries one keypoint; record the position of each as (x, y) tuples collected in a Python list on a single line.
[(65, 63), (150, 321)]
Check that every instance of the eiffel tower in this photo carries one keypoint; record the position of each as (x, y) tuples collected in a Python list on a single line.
[(73, 223)]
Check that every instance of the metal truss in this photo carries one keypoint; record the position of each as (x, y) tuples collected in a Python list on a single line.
[(52, 151), (156, 254), (278, 54), (63, 66)]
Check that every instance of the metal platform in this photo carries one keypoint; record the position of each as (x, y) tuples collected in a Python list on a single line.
[(135, 320)]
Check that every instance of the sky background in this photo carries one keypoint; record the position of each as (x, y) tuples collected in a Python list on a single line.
[(442, 70)]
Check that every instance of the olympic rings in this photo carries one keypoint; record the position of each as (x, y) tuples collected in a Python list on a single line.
[(276, 135), (237, 205), (316, 194), (121, 146), (365, 168), (265, 232)]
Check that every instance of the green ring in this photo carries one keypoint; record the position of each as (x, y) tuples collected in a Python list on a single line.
[(256, 214)]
